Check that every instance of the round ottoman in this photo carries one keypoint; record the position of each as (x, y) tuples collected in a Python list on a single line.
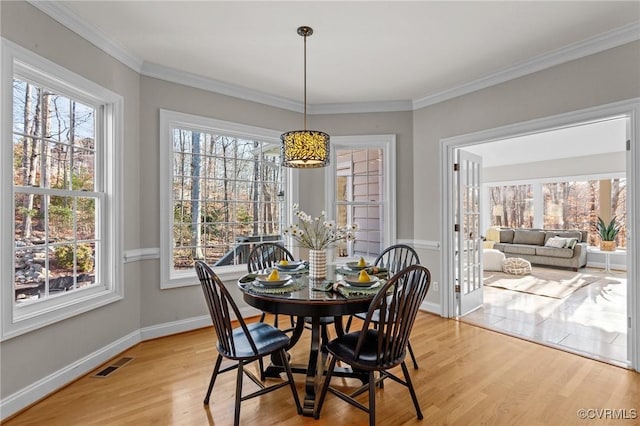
[(492, 260), (516, 266)]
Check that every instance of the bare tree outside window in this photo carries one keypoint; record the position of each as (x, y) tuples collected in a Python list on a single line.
[(225, 197), (511, 206), (55, 203)]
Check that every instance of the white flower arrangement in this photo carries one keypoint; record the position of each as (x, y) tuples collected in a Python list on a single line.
[(317, 233)]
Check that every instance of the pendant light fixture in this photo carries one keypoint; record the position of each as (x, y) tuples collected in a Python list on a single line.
[(305, 149)]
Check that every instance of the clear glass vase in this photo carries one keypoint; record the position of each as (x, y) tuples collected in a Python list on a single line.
[(317, 264)]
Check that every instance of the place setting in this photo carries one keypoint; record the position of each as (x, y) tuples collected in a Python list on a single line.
[(352, 268), (292, 266), (360, 284), (272, 283)]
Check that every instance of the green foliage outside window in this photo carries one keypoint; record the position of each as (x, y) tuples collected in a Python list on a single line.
[(84, 257)]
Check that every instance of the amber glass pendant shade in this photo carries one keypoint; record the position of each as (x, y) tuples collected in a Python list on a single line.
[(304, 149)]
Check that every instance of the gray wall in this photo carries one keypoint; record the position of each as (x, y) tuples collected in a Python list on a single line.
[(32, 356), (609, 76), (161, 306)]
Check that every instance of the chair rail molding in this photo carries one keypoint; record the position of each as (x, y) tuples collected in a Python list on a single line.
[(421, 244), (136, 255)]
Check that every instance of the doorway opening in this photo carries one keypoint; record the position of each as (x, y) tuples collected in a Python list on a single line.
[(592, 320)]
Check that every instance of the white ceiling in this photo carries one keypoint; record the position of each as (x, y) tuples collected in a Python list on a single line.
[(581, 140), (363, 55), (361, 52)]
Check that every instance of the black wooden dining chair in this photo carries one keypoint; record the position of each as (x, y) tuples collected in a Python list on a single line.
[(381, 348), (394, 258), (266, 256), (245, 344)]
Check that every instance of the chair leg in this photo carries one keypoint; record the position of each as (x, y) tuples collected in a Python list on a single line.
[(407, 378), (372, 398), (236, 415), (325, 385), (275, 321), (348, 326), (292, 384), (261, 367), (413, 357), (262, 317), (213, 378)]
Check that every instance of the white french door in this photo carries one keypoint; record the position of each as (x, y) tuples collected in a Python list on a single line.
[(468, 257)]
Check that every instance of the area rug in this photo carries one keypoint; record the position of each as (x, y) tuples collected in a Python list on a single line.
[(556, 283)]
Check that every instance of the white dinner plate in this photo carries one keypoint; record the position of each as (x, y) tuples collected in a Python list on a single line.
[(290, 266), (262, 279), (355, 267), (352, 280)]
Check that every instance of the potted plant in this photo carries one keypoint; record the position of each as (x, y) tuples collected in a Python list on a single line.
[(608, 233)]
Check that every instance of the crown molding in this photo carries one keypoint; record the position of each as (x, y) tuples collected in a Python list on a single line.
[(360, 107), (150, 69), (193, 80), (608, 40), (590, 46), (66, 17)]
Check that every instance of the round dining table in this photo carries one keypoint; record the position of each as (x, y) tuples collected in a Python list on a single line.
[(314, 304)]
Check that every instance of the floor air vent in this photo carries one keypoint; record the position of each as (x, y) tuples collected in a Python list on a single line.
[(107, 371)]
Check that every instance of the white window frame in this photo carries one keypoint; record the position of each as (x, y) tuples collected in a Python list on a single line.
[(169, 277), (387, 143), (18, 319)]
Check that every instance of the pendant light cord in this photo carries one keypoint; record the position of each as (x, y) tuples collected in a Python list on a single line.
[(305, 82)]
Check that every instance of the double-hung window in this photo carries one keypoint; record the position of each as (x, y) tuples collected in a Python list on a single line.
[(361, 189), (60, 244), (223, 191)]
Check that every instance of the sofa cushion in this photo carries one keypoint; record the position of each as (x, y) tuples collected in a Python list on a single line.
[(519, 249), (522, 236), (506, 236), (554, 252), (564, 234)]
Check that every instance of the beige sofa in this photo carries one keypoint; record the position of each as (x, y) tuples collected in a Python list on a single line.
[(534, 246)]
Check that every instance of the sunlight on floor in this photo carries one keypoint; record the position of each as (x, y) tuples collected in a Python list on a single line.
[(591, 321)]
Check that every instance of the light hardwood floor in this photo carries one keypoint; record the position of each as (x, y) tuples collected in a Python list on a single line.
[(592, 321), (467, 376)]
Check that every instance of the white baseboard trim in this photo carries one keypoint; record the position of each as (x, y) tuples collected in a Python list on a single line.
[(51, 383), (174, 327), (181, 326), (47, 385), (431, 307)]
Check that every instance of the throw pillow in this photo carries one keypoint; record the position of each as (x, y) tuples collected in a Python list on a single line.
[(570, 243), (556, 242)]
